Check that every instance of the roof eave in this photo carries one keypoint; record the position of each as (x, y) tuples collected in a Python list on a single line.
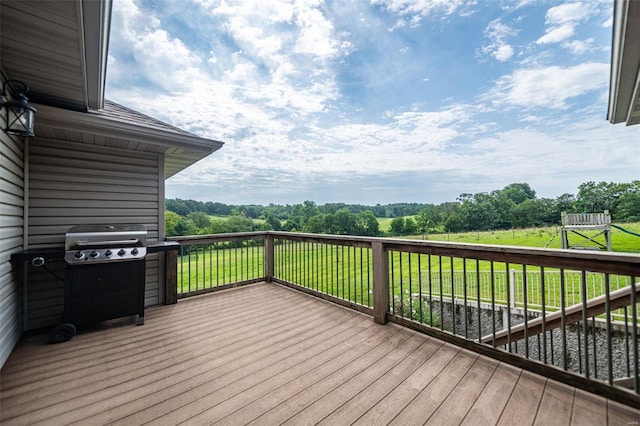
[(96, 25), (624, 89), (100, 125)]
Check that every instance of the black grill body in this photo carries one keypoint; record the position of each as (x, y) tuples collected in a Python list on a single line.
[(104, 291), (104, 276)]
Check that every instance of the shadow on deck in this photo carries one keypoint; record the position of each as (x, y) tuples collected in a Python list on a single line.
[(265, 354)]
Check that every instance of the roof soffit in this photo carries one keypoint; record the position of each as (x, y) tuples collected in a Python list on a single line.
[(624, 91), (96, 123), (58, 48)]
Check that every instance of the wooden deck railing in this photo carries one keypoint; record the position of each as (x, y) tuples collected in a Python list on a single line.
[(436, 288)]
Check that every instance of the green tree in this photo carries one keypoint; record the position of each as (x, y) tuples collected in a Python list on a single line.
[(316, 224), (397, 226), (185, 226), (518, 192), (273, 222), (170, 221), (200, 219), (410, 227), (427, 218), (367, 224)]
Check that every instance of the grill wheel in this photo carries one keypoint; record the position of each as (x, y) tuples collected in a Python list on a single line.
[(63, 333)]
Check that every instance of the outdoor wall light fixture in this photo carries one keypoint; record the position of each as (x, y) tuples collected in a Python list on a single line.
[(17, 111)]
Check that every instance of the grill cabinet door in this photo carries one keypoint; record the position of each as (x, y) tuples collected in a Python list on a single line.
[(104, 291)]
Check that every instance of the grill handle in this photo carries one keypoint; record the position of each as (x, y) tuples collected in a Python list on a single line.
[(106, 243)]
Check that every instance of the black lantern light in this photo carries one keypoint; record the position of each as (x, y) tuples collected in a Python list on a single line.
[(17, 111)]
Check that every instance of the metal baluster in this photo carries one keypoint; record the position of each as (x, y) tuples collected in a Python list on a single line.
[(430, 291), (361, 278), (607, 310), (626, 340), (453, 298), (563, 320), (525, 302), (595, 353), (478, 297), (579, 328), (368, 277), (441, 300), (544, 314), (634, 328), (493, 302), (464, 289), (509, 296), (585, 323), (411, 289)]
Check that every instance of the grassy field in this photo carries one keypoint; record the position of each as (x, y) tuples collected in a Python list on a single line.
[(541, 237), (545, 237)]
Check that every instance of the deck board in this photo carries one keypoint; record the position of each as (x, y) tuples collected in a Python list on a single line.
[(269, 355)]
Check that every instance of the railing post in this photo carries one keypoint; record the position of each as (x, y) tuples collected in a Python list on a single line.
[(380, 282), (171, 277), (269, 269)]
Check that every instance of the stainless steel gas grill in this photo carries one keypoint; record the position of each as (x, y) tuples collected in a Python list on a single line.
[(105, 275)]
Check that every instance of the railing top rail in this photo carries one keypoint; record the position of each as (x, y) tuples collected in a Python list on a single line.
[(210, 238), (347, 240)]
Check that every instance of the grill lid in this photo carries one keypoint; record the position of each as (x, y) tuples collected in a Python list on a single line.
[(105, 243)]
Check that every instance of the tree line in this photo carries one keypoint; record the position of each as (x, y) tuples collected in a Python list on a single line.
[(514, 206)]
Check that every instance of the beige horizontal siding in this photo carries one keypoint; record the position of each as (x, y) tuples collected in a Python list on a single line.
[(11, 241), (79, 184)]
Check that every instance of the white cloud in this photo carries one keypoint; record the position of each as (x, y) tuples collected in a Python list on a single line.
[(562, 20), (496, 33), (557, 34), (503, 53), (579, 47), (413, 11), (548, 87), (568, 12)]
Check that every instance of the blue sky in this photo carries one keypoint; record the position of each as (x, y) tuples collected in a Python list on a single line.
[(376, 101)]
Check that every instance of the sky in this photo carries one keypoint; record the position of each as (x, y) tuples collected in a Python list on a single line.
[(376, 101)]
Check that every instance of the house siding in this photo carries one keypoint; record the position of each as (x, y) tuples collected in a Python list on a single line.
[(11, 241), (79, 184)]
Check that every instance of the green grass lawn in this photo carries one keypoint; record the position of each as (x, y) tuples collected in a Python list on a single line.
[(540, 237)]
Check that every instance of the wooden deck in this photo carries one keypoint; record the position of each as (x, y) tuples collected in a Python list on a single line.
[(265, 354)]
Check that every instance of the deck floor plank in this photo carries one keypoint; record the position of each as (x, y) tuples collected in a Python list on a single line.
[(222, 401), (323, 380), (494, 397), (424, 398), (557, 400), (186, 366), (454, 409), (123, 367), (398, 364), (524, 401), (588, 407), (268, 354), (173, 392), (366, 398)]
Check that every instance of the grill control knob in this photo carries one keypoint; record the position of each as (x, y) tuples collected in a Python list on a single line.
[(94, 254), (121, 252), (78, 255), (134, 251), (108, 252)]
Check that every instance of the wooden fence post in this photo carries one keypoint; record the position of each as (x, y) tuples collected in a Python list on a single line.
[(269, 269), (380, 282), (171, 277)]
